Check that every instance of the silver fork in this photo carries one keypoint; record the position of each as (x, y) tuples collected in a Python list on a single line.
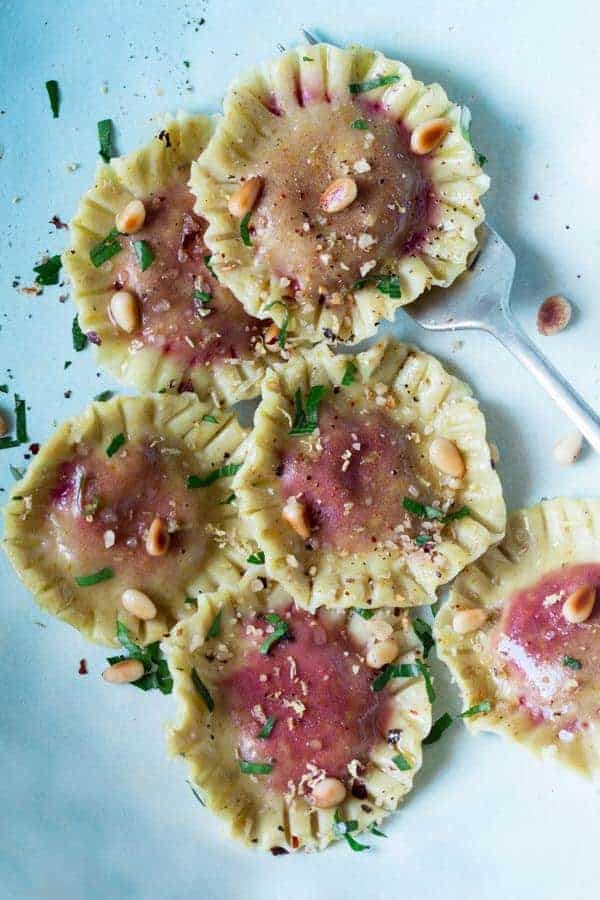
[(480, 300)]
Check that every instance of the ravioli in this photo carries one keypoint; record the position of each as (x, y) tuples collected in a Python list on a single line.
[(134, 494), (522, 631), (337, 188), (147, 294), (282, 720), (341, 487)]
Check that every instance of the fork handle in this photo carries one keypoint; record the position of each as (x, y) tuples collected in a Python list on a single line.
[(509, 332)]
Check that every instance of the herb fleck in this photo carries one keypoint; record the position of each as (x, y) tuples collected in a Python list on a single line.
[(108, 247), (306, 420), (267, 728), (105, 136), (94, 578), (349, 373), (53, 96), (362, 86), (203, 691), (244, 232), (47, 272), (281, 630), (196, 481), (116, 443), (145, 255), (571, 663)]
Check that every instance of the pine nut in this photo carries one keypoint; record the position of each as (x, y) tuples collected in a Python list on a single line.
[(467, 620), (124, 672), (553, 315), (294, 514), (158, 538), (381, 653), (328, 793), (338, 195), (445, 456), (579, 605), (131, 218), (243, 199), (428, 135), (271, 333), (567, 450), (124, 311), (138, 604), (3, 426)]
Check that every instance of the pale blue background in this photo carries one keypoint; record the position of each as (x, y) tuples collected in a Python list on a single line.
[(90, 806)]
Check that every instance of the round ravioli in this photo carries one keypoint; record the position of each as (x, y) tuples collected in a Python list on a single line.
[(143, 282), (338, 188), (521, 633), (368, 479), (290, 732), (132, 495)]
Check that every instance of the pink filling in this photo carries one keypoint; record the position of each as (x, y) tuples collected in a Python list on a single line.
[(171, 317), (353, 490), (327, 715), (533, 638)]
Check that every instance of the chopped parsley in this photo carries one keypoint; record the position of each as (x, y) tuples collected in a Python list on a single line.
[(438, 728), (401, 762), (360, 124), (349, 373), (108, 247), (244, 232), (156, 669), (215, 628), (94, 578), (281, 630), (374, 830), (424, 671), (267, 728), (571, 663), (116, 443), (362, 87), (422, 540), (16, 473), (196, 794), (207, 260), (404, 670), (103, 396), (484, 707), (79, 338), (7, 442), (21, 420), (196, 481), (203, 691), (53, 96), (422, 629), (145, 255), (105, 136), (364, 613), (47, 272), (208, 418), (256, 559), (4, 388), (307, 419), (67, 364), (390, 285), (423, 511), (252, 768), (283, 330), (345, 829), (204, 297), (187, 63), (307, 59)]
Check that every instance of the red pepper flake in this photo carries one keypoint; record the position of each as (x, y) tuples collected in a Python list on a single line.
[(295, 842), (83, 669), (34, 448)]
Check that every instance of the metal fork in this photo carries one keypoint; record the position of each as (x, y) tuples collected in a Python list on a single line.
[(480, 299)]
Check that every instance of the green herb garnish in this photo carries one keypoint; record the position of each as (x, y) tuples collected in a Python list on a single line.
[(94, 578), (571, 663), (208, 418), (204, 297), (364, 613), (4, 388), (79, 338), (196, 794), (438, 728), (390, 285), (281, 630), (422, 540), (345, 829), (187, 63), (484, 707), (374, 830), (16, 473), (108, 247), (401, 762), (256, 559), (53, 96), (349, 373), (215, 628), (283, 329), (361, 87), (481, 159), (103, 396), (424, 670), (116, 443), (267, 728), (227, 500), (7, 442), (306, 420), (207, 260), (203, 691), (360, 124), (21, 420), (403, 670), (252, 768), (67, 364), (47, 272), (307, 59), (196, 481), (422, 629), (423, 511), (244, 232), (105, 136), (156, 669), (145, 255)]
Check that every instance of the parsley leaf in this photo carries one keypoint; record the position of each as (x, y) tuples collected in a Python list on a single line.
[(281, 630), (47, 272), (344, 829), (244, 232), (215, 628), (196, 794), (484, 707), (145, 255), (196, 481), (571, 663), (423, 511), (94, 578), (79, 338), (156, 669), (21, 420), (252, 768), (207, 260), (108, 247), (403, 670), (203, 691), (364, 613), (105, 136), (390, 285), (267, 728), (438, 728), (401, 762), (306, 420), (103, 396), (53, 96), (374, 830), (16, 473), (204, 297), (361, 87), (422, 629), (208, 418), (116, 443), (307, 59), (349, 373), (256, 558), (360, 124), (283, 330)]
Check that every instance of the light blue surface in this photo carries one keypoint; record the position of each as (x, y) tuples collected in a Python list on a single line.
[(91, 807)]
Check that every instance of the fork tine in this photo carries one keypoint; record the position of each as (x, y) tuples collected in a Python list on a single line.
[(310, 38)]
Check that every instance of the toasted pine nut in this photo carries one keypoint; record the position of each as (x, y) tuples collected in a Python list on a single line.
[(553, 315), (467, 620), (158, 538), (328, 793), (245, 196), (271, 333), (379, 629), (124, 311), (579, 605), (124, 672), (445, 456), (294, 514), (382, 653), (131, 218), (138, 604), (428, 135), (567, 450), (3, 426), (338, 195)]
